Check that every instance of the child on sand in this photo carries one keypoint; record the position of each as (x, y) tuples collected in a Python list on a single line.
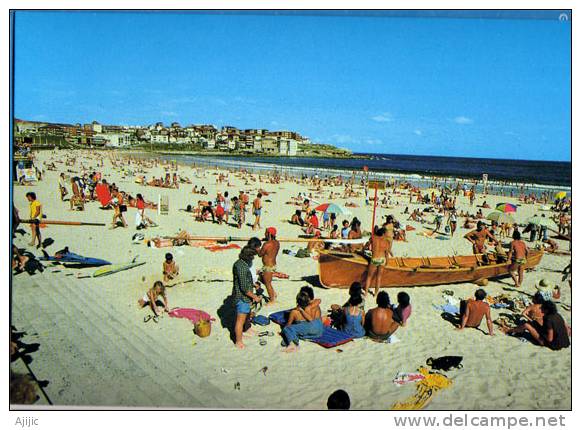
[(170, 268), (150, 298)]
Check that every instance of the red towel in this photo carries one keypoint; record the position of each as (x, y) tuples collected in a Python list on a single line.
[(215, 248), (103, 194), (194, 315)]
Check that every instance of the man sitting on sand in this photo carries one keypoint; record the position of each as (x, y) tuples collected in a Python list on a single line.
[(268, 252), (553, 333), (472, 312), (379, 322)]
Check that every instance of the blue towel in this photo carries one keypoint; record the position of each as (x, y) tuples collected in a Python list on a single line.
[(451, 309), (331, 337)]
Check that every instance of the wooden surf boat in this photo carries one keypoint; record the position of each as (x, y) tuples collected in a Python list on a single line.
[(340, 269)]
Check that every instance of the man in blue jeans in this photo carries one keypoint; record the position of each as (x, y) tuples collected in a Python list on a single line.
[(242, 291)]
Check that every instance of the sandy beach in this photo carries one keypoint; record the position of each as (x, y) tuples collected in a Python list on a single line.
[(95, 348)]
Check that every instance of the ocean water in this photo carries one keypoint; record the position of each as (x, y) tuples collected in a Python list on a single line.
[(536, 176)]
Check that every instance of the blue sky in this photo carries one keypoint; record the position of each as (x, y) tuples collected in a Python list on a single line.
[(425, 86)]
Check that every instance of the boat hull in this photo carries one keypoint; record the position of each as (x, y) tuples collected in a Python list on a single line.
[(340, 270)]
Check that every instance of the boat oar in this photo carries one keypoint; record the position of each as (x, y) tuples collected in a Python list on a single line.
[(246, 239), (55, 222)]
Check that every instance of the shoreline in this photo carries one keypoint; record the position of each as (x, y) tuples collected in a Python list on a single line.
[(412, 177)]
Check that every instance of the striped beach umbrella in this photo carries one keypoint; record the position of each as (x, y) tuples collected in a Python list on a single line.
[(333, 208), (506, 207)]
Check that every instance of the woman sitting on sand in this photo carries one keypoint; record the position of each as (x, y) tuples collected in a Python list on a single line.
[(403, 310), (354, 317), (312, 223), (304, 321)]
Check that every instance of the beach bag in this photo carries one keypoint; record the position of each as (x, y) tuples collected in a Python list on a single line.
[(203, 328), (445, 363)]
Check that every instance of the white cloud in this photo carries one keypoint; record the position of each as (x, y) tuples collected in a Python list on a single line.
[(463, 120), (373, 141), (343, 138), (418, 132), (383, 117)]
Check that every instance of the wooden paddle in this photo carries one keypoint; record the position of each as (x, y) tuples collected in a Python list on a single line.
[(55, 222), (245, 239)]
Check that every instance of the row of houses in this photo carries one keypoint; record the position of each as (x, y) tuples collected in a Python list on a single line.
[(227, 138)]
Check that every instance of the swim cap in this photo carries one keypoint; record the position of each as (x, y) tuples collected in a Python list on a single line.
[(271, 230)]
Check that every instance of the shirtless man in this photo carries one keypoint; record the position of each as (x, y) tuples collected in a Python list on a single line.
[(257, 210), (389, 233), (474, 311), (268, 253), (379, 322), (379, 255), (517, 254), (478, 238)]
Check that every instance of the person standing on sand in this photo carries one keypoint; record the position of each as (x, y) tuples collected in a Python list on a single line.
[(226, 206), (257, 210), (478, 238), (472, 312), (379, 255), (242, 293), (268, 252), (517, 255), (36, 216), (118, 208), (62, 186), (389, 233)]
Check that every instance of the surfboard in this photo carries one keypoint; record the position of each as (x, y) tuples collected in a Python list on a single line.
[(114, 268), (72, 258)]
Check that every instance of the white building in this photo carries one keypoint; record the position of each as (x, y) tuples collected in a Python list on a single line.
[(116, 140), (159, 138)]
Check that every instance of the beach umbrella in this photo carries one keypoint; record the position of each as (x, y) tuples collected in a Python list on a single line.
[(561, 195), (500, 217), (540, 221), (333, 208), (506, 207)]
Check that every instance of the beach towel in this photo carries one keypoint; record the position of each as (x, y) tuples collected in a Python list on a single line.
[(451, 309), (331, 337), (215, 248), (103, 194), (425, 390), (194, 315), (403, 378)]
